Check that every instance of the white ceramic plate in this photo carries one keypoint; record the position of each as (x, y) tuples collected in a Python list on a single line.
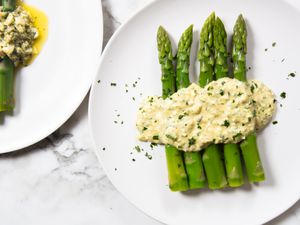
[(131, 54), (50, 90)]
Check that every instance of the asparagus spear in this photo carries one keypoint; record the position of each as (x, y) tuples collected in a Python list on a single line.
[(249, 148), (232, 158), (7, 101), (8, 5), (213, 165), (193, 161), (178, 180)]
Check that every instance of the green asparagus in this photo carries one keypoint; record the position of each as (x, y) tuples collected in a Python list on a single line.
[(254, 169), (233, 164), (8, 5), (220, 44), (178, 180), (212, 158), (7, 101), (193, 161)]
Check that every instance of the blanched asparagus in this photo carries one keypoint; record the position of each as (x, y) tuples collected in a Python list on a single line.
[(193, 161), (7, 101), (232, 159), (249, 148), (8, 5), (212, 160), (178, 180)]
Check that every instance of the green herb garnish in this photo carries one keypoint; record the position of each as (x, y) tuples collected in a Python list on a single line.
[(138, 148), (292, 75), (192, 141), (171, 137), (155, 137), (226, 123), (221, 92), (283, 95)]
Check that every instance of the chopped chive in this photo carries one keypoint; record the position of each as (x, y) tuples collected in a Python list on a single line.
[(192, 141), (226, 123), (292, 75), (283, 95), (155, 137)]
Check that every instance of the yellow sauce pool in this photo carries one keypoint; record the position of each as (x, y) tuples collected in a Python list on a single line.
[(40, 21)]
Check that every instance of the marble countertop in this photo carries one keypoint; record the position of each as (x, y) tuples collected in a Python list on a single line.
[(59, 180)]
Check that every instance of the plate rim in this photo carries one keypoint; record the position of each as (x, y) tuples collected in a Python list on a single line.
[(24, 145), (111, 41)]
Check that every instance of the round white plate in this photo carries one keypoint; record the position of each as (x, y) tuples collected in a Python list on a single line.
[(49, 90), (130, 59)]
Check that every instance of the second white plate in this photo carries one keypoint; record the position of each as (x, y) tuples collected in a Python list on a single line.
[(49, 90)]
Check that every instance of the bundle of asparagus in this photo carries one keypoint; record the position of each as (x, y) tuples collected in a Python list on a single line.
[(189, 170)]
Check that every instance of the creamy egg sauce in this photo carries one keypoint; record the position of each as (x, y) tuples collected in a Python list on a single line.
[(23, 33), (225, 111)]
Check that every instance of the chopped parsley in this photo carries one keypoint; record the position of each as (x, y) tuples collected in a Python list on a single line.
[(192, 141), (274, 122), (266, 49), (148, 156), (145, 128), (155, 137), (103, 149), (283, 95), (182, 115), (138, 148), (198, 125), (171, 137), (98, 81), (226, 123), (292, 75), (133, 98), (221, 92), (151, 100), (152, 145), (113, 84), (273, 44), (252, 87)]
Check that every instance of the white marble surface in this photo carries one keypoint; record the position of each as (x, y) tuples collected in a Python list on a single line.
[(59, 181)]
